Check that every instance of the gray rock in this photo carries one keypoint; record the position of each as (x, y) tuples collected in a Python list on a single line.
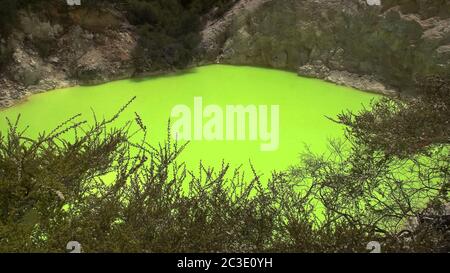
[(94, 47), (314, 71), (392, 43)]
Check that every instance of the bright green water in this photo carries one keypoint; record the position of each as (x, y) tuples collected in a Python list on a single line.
[(304, 103)]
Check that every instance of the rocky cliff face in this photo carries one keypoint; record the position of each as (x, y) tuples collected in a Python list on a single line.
[(58, 48), (371, 47)]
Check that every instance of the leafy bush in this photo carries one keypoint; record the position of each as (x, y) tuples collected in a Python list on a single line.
[(169, 30), (5, 55), (403, 127), (8, 11), (114, 195)]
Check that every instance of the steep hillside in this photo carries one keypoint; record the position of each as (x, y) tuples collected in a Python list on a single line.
[(54, 48), (383, 48), (49, 44), (376, 48)]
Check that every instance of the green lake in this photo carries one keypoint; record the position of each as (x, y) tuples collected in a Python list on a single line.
[(303, 106)]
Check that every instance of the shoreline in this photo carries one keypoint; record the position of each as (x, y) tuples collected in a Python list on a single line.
[(175, 72)]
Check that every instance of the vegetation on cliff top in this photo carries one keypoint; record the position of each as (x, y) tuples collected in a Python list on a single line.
[(168, 29), (52, 190)]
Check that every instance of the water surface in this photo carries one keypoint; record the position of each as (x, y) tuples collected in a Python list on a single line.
[(304, 104)]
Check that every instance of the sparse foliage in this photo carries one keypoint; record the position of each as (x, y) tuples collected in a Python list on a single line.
[(111, 194)]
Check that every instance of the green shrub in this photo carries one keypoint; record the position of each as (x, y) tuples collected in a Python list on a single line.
[(8, 9), (8, 12), (114, 195), (5, 55), (168, 30)]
